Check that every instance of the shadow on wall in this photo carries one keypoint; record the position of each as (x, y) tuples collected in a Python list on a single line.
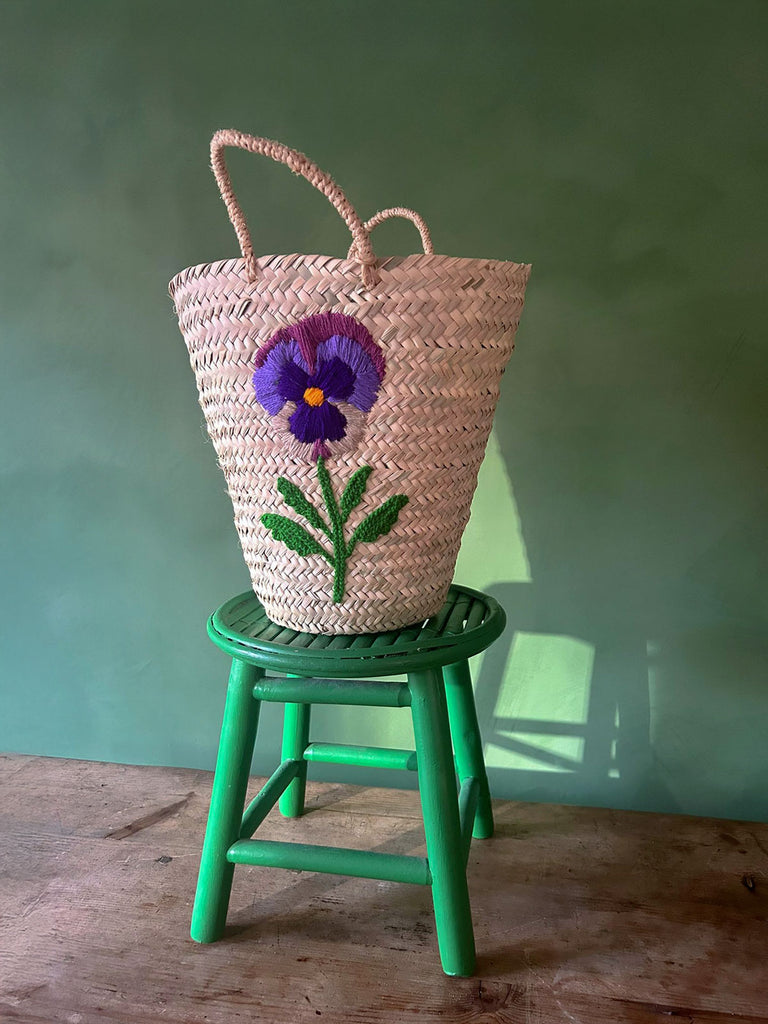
[(633, 669)]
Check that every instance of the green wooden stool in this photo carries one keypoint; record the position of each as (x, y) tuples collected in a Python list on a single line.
[(327, 670)]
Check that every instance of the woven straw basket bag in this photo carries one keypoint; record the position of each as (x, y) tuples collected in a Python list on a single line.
[(349, 402)]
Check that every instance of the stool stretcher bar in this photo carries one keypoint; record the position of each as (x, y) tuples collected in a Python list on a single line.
[(363, 757), (369, 692), (267, 797), (333, 860)]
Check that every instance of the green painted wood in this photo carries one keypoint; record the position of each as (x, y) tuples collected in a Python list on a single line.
[(230, 781), (332, 860), (270, 632), (442, 828), (455, 624), (317, 641), (295, 739), (370, 693), (411, 633), (325, 670), (388, 639), (268, 796), (372, 665), (341, 642), (468, 795), (436, 625), (476, 613), (467, 741), (363, 757), (287, 636), (302, 640), (243, 623), (445, 638), (362, 641)]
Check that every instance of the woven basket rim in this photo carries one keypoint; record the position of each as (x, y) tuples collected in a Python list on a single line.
[(199, 270)]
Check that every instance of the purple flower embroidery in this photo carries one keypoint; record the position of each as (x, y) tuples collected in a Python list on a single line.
[(319, 378)]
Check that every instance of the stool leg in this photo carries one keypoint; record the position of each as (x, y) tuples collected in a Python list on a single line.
[(238, 734), (295, 740), (467, 741), (437, 787)]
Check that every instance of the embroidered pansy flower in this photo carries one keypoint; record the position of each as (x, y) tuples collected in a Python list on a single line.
[(319, 379)]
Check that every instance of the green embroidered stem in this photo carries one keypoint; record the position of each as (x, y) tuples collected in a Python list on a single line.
[(300, 540), (337, 531)]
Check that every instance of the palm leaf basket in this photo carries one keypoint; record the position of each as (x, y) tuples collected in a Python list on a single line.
[(349, 402)]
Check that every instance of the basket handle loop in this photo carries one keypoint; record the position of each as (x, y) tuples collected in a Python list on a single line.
[(398, 211), (299, 164)]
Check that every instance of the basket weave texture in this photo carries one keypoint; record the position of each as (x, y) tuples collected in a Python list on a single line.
[(446, 327)]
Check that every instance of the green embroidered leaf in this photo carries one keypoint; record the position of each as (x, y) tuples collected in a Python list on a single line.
[(292, 534), (354, 491), (328, 496), (379, 522), (297, 500)]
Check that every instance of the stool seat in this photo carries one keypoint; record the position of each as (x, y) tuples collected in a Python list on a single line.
[(467, 623)]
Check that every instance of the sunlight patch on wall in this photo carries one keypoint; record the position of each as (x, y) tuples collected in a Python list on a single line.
[(540, 717), (613, 771), (493, 550)]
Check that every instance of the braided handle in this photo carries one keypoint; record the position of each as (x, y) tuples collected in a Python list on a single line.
[(299, 164), (397, 211)]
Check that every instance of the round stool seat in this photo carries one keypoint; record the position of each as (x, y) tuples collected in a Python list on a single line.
[(467, 623)]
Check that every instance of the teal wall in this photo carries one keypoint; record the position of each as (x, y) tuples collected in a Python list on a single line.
[(619, 147)]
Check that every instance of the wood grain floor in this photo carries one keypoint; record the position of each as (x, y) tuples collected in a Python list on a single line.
[(582, 916)]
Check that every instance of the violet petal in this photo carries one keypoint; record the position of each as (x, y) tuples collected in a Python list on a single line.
[(367, 379), (317, 423), (335, 379), (267, 378), (292, 383)]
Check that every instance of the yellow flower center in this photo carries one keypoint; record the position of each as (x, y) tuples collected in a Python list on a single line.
[(314, 396)]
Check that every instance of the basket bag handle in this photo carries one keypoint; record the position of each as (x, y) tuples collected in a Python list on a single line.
[(398, 211), (361, 250)]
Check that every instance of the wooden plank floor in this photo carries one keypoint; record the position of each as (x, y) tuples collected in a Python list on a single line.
[(581, 916)]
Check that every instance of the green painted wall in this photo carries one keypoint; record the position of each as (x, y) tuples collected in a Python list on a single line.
[(620, 148)]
